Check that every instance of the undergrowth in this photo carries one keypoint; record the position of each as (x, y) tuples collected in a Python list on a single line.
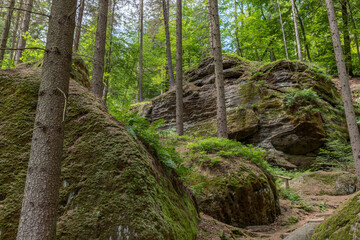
[(295, 199)]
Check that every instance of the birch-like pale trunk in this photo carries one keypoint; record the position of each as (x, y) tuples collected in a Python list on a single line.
[(5, 33), (283, 32), (297, 36), (345, 88), (78, 25), (166, 7), (15, 31)]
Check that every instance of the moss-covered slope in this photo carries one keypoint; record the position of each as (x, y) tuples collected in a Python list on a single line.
[(344, 224), (111, 187)]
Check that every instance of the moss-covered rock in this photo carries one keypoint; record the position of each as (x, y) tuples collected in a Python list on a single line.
[(287, 107), (111, 186), (344, 224)]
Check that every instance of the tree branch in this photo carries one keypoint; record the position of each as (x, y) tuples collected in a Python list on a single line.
[(33, 48), (24, 10)]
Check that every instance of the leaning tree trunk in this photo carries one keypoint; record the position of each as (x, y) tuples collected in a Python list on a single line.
[(15, 31), (78, 25), (166, 8), (355, 35), (5, 33), (99, 53), (141, 50), (345, 88), (179, 71), (219, 74), (41, 195), (298, 43), (347, 47), (283, 32), (24, 28)]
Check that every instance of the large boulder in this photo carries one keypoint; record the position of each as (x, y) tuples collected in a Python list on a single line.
[(112, 188), (344, 224), (288, 108)]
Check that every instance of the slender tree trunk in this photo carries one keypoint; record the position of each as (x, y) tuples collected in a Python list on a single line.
[(345, 88), (219, 75), (272, 55), (179, 71), (166, 7), (15, 31), (355, 35), (24, 28), (238, 49), (141, 50), (99, 53), (347, 47), (283, 32), (108, 62), (304, 34), (5, 33), (41, 195), (211, 36), (298, 43), (78, 25)]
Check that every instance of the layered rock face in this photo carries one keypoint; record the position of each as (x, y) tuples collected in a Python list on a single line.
[(112, 188), (287, 108)]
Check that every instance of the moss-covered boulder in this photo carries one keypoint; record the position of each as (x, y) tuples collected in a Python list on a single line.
[(325, 183), (112, 188), (286, 107), (344, 224), (228, 185)]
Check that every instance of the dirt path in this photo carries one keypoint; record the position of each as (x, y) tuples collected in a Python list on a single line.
[(323, 206)]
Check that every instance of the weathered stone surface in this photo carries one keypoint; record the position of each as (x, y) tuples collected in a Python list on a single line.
[(344, 224), (256, 107), (325, 183), (303, 233), (112, 188)]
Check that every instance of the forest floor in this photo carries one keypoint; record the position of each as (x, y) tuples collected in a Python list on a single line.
[(354, 85), (291, 218)]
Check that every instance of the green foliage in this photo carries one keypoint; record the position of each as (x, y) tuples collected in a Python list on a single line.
[(295, 199), (32, 55), (229, 148), (303, 102), (139, 128), (291, 221)]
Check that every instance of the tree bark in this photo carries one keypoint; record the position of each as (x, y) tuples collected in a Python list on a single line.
[(298, 43), (5, 33), (108, 62), (355, 35), (141, 50), (211, 36), (179, 71), (78, 25), (238, 49), (345, 88), (347, 47), (304, 34), (219, 75), (15, 31), (24, 28), (166, 7), (99, 53), (41, 195), (283, 32)]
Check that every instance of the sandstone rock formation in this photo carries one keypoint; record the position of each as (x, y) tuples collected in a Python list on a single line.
[(112, 188), (288, 108)]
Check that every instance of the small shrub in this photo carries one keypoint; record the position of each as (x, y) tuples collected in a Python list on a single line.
[(295, 199), (304, 101)]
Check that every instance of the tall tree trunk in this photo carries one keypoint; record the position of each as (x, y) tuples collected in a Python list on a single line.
[(78, 25), (272, 55), (219, 75), (345, 88), (108, 61), (5, 33), (347, 47), (211, 36), (24, 28), (179, 71), (166, 8), (238, 49), (99, 53), (298, 43), (141, 50), (15, 31), (304, 34), (355, 35), (41, 194), (283, 32)]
